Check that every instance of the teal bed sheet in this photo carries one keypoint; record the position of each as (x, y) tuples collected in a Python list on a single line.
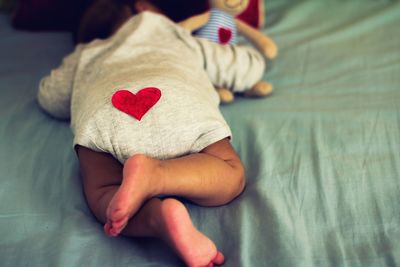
[(322, 154)]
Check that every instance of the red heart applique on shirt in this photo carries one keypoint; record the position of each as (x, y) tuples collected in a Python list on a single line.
[(224, 35), (137, 104)]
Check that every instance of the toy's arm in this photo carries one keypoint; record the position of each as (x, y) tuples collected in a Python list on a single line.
[(265, 44), (55, 90), (195, 22)]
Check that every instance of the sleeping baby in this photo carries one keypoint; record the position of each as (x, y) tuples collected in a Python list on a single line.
[(147, 124)]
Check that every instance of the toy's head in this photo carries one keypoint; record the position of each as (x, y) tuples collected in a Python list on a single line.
[(233, 7)]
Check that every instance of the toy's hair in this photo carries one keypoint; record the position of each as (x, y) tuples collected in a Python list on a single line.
[(103, 17)]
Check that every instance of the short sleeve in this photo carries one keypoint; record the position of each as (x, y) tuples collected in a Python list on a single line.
[(55, 90)]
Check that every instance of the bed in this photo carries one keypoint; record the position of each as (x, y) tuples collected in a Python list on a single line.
[(322, 154)]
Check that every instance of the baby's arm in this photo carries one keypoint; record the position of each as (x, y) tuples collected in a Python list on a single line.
[(55, 90), (195, 22), (234, 67)]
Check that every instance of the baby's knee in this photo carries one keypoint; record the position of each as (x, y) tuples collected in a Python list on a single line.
[(237, 179), (241, 177)]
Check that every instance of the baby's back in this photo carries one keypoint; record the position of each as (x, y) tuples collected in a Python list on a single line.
[(148, 51)]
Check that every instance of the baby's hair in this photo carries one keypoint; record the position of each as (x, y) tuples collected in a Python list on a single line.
[(103, 17), (178, 10), (100, 18)]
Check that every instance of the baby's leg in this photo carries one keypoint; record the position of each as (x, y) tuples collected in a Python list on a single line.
[(168, 219), (212, 177)]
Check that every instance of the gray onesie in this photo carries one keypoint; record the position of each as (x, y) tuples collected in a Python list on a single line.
[(147, 89)]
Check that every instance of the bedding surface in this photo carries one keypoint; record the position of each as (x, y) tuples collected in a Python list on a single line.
[(322, 154)]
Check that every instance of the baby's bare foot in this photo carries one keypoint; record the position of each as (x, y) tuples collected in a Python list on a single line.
[(136, 188), (177, 229)]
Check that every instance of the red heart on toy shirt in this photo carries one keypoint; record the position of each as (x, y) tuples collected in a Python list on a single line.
[(224, 35), (137, 104)]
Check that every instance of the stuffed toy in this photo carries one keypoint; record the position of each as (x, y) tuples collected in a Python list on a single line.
[(220, 25)]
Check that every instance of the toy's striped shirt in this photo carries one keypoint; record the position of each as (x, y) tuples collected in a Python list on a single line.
[(221, 28)]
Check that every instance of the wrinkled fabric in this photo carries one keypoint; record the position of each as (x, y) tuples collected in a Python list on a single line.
[(147, 51)]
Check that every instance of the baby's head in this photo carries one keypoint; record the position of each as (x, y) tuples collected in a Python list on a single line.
[(138, 6), (176, 10), (104, 17)]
